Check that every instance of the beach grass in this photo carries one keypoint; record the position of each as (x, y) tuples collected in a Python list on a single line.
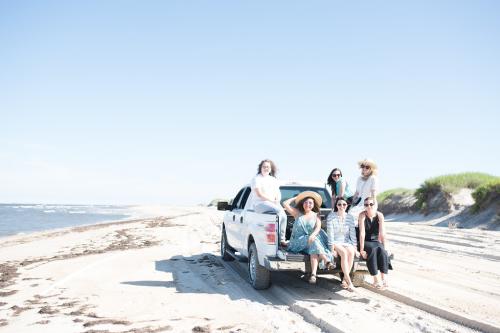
[(400, 191), (451, 184), (484, 194)]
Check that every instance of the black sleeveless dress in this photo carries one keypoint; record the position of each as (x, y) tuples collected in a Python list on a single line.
[(377, 258)]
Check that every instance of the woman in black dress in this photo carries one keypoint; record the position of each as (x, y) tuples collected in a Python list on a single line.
[(371, 243)]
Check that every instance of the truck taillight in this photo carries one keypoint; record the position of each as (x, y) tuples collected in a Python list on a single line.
[(271, 233), (271, 227)]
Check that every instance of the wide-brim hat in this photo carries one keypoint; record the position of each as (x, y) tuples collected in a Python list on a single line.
[(368, 162), (309, 194)]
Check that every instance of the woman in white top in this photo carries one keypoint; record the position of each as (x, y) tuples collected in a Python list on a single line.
[(266, 195), (367, 184)]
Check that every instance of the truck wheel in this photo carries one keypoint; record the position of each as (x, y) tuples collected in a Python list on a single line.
[(224, 247), (260, 277)]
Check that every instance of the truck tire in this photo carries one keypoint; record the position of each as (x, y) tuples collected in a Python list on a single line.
[(260, 277), (224, 247)]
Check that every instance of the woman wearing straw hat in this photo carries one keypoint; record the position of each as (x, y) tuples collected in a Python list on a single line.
[(307, 235), (367, 184)]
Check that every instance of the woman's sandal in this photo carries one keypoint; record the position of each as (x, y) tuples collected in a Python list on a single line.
[(378, 285), (344, 284), (312, 279), (351, 288)]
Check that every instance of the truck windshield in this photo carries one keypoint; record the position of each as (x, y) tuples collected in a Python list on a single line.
[(288, 192)]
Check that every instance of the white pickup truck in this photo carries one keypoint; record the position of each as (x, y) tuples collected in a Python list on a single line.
[(249, 235)]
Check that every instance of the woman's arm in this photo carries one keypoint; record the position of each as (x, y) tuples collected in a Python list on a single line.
[(342, 188), (356, 194), (293, 211), (361, 226), (381, 228), (315, 233), (352, 233), (374, 189), (329, 230)]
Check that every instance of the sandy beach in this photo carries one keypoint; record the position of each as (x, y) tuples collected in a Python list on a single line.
[(165, 274)]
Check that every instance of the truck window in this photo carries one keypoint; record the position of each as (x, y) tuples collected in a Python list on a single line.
[(234, 202), (244, 198), (291, 191)]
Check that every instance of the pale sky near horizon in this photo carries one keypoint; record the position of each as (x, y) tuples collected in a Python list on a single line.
[(176, 102)]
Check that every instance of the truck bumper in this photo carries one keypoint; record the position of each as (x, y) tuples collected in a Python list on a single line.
[(282, 265)]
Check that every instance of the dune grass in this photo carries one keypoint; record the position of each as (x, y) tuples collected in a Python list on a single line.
[(485, 194), (451, 184), (395, 191)]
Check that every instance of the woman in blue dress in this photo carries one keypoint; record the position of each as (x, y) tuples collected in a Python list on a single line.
[(307, 235)]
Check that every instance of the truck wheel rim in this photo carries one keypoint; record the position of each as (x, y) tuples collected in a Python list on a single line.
[(223, 244), (252, 266)]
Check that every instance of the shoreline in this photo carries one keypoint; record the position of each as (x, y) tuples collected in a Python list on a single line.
[(137, 212)]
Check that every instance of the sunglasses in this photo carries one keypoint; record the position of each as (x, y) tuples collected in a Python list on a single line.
[(341, 205), (369, 204), (365, 167), (336, 175)]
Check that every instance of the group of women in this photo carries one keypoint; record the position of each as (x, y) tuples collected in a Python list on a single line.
[(350, 210)]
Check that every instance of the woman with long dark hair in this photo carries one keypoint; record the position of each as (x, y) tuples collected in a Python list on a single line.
[(340, 188)]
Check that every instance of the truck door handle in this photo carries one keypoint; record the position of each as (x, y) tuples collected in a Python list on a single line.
[(234, 217), (241, 219)]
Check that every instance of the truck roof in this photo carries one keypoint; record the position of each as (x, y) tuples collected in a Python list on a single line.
[(301, 183), (298, 183)]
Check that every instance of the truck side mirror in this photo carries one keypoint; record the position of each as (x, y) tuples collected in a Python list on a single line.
[(223, 205)]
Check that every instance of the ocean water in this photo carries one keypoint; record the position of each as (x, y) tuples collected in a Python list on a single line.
[(26, 218)]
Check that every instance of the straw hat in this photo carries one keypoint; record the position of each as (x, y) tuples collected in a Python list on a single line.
[(370, 163), (309, 194)]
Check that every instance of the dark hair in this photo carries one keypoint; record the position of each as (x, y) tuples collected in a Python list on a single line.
[(335, 209), (300, 205), (273, 167), (331, 182), (369, 198)]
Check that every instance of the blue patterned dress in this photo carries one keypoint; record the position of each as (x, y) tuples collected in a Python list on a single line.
[(302, 228)]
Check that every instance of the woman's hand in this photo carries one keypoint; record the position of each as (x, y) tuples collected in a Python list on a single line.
[(311, 239), (363, 254), (381, 238)]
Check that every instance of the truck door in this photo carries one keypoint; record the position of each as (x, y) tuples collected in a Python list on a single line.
[(232, 220), (243, 223)]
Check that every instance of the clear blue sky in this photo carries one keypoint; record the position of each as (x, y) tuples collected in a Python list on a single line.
[(176, 102)]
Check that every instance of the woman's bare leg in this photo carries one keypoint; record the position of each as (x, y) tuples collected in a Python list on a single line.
[(344, 264), (350, 256), (314, 264)]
